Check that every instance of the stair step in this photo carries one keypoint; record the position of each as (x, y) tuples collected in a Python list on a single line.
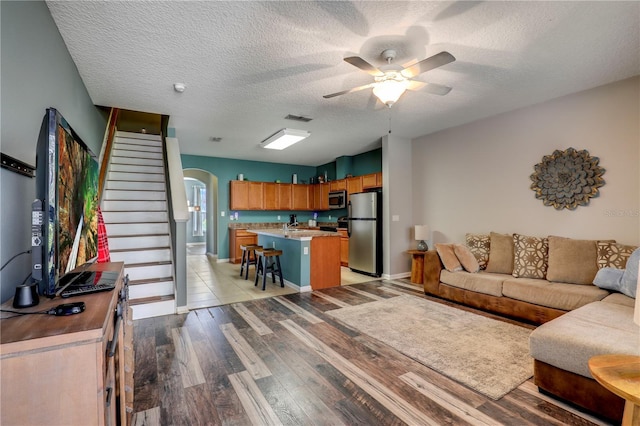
[(139, 242), (141, 136), (132, 147), (148, 271), (130, 205), (133, 228), (134, 194), (136, 154), (133, 186), (153, 307), (135, 168), (155, 256), (133, 216), (136, 177), (116, 159), (149, 281), (152, 288)]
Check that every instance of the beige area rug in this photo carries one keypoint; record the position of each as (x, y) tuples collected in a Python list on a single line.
[(489, 356)]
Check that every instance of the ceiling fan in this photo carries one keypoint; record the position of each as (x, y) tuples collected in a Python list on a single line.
[(391, 82)]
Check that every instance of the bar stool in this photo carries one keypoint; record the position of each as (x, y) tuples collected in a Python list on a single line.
[(247, 260), (266, 263)]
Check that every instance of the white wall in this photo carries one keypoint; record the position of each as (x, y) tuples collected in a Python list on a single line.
[(476, 177), (397, 202)]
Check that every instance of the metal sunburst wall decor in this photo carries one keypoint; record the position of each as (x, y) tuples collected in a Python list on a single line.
[(567, 179)]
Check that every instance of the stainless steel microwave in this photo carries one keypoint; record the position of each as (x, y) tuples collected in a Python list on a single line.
[(337, 199)]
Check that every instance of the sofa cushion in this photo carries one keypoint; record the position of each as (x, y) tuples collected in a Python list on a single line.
[(501, 254), (530, 256), (479, 245), (629, 282), (552, 295), (481, 282), (598, 328), (609, 278), (620, 299), (448, 257), (572, 261), (466, 258), (613, 255)]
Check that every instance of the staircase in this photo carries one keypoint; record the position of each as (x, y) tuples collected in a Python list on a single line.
[(134, 208)]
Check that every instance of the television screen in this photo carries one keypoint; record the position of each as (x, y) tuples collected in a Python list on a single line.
[(67, 188)]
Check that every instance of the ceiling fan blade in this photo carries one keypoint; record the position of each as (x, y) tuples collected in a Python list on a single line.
[(365, 66), (434, 89), (344, 92), (430, 63)]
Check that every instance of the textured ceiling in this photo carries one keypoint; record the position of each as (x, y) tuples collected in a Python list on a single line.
[(248, 64)]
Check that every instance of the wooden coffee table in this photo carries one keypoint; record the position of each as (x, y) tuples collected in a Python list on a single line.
[(621, 375)]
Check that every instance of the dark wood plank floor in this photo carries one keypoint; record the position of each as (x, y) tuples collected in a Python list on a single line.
[(283, 361)]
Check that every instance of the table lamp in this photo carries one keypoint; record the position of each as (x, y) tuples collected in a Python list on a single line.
[(421, 233)]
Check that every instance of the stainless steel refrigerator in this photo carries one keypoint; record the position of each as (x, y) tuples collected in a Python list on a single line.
[(365, 232)]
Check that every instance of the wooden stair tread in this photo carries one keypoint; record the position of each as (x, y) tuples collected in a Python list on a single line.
[(152, 299), (139, 235), (143, 264), (150, 280)]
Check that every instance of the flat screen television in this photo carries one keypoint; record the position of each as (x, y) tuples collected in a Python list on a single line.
[(66, 236)]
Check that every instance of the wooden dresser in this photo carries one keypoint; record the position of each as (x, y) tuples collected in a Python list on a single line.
[(70, 370)]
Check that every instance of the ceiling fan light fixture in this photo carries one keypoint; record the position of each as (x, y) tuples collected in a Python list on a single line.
[(389, 91), (284, 138)]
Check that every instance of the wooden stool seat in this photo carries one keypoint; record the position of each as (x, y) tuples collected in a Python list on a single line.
[(268, 260), (247, 259)]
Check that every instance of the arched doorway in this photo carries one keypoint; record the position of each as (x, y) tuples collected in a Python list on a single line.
[(202, 193)]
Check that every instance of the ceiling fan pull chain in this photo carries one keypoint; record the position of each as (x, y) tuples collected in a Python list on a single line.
[(389, 110)]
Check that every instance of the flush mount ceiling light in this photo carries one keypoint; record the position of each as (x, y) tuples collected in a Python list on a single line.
[(284, 138)]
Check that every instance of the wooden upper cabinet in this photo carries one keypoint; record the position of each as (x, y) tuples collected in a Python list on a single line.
[(338, 185), (321, 197), (354, 184), (301, 197), (284, 196), (245, 195), (373, 180), (271, 196)]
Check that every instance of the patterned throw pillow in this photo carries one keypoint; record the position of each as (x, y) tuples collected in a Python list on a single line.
[(613, 255), (479, 245), (530, 256)]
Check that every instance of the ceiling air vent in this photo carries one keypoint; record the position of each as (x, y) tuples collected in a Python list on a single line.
[(298, 118), (215, 139)]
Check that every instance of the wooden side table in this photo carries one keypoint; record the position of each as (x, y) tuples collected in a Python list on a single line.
[(621, 375), (417, 266)]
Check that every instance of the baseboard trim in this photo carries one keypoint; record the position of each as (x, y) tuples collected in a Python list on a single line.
[(396, 276), (222, 260), (182, 310)]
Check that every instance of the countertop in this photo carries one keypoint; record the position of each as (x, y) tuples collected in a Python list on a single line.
[(294, 234)]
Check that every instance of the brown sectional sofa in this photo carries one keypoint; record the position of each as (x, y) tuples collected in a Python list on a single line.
[(596, 321)]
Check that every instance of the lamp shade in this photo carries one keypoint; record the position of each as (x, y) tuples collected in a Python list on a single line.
[(389, 91), (636, 312), (421, 232)]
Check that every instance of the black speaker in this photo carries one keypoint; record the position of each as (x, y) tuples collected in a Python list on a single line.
[(26, 296)]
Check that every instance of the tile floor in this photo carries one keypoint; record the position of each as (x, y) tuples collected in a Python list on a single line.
[(210, 283)]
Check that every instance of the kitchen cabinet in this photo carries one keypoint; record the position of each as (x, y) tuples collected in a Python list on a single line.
[(354, 185), (373, 180), (245, 195), (344, 247), (284, 196), (338, 185), (302, 196), (237, 238), (321, 196)]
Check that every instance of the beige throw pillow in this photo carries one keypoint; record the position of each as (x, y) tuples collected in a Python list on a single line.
[(572, 261), (479, 245), (466, 258), (530, 256), (501, 253), (448, 257), (613, 255)]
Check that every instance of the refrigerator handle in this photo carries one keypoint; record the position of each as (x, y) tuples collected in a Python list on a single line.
[(349, 219)]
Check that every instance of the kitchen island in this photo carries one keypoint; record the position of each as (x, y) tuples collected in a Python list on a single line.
[(310, 259)]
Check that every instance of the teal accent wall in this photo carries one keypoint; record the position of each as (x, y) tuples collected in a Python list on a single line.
[(343, 166), (367, 163), (171, 132), (296, 266), (330, 168)]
